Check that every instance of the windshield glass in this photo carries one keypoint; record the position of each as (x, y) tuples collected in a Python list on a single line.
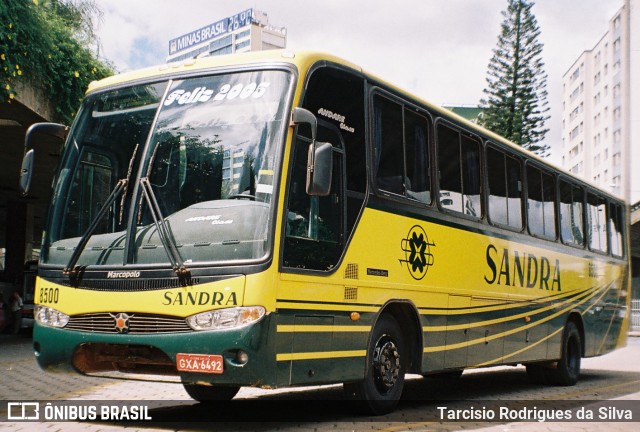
[(207, 148)]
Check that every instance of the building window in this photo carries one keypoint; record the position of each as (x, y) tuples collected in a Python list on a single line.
[(574, 133), (616, 159), (575, 74), (574, 94), (242, 44), (616, 90)]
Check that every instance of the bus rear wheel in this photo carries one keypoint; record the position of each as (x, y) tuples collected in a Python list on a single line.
[(567, 370), (204, 393), (382, 386)]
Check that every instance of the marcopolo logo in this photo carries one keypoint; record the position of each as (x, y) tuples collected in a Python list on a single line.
[(123, 274), (417, 252)]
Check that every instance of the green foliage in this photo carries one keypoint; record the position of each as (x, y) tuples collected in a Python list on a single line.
[(515, 103), (45, 44)]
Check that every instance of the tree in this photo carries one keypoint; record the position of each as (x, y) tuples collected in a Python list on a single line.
[(515, 103), (47, 45)]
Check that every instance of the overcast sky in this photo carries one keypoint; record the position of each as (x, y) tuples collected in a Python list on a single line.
[(436, 49)]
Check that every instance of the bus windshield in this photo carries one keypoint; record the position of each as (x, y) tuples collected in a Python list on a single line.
[(197, 155)]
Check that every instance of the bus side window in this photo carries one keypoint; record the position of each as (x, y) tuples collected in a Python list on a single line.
[(388, 146), (541, 207), (416, 137), (401, 152), (571, 213), (596, 211), (616, 222), (459, 169), (314, 225), (337, 97), (505, 188)]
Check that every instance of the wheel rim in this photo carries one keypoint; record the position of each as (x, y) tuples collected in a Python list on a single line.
[(386, 364)]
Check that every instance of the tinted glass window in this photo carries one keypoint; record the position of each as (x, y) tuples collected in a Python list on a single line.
[(505, 185), (416, 132), (541, 196), (616, 226), (571, 213), (596, 211), (459, 171), (388, 146), (342, 107)]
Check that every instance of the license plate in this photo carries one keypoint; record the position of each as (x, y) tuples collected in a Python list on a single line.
[(201, 363)]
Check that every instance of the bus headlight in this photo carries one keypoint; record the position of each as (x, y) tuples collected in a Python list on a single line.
[(222, 319), (50, 317)]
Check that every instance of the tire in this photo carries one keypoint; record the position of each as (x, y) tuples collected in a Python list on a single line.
[(567, 369), (380, 390), (204, 393)]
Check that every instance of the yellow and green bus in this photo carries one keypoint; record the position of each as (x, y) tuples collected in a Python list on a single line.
[(286, 219)]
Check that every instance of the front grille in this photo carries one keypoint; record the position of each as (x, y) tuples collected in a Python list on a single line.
[(137, 323)]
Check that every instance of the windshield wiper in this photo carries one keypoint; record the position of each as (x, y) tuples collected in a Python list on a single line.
[(164, 232), (71, 269)]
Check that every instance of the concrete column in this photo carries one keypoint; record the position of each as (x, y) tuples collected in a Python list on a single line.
[(19, 235)]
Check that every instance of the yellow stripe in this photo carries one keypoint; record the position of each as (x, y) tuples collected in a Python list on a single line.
[(320, 355), (502, 358), (321, 329), (265, 172), (528, 347), (502, 319), (518, 329)]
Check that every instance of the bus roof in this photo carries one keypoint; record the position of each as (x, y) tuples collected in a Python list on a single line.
[(303, 60)]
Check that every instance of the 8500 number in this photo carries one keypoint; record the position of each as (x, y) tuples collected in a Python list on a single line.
[(49, 295)]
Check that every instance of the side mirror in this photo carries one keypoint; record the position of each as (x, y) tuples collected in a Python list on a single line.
[(319, 169), (26, 171), (319, 158), (301, 115)]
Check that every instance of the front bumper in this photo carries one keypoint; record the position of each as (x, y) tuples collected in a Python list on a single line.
[(59, 350)]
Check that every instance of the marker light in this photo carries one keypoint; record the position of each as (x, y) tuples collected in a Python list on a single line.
[(222, 319), (50, 317)]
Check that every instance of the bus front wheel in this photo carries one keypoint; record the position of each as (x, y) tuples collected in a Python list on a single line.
[(382, 386), (204, 393)]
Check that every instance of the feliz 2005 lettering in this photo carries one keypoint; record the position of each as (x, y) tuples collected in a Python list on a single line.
[(225, 92)]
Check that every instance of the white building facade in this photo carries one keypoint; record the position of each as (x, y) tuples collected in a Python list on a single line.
[(601, 108), (245, 31)]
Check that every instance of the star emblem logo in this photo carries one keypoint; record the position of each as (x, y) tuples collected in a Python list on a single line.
[(417, 252), (121, 323)]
